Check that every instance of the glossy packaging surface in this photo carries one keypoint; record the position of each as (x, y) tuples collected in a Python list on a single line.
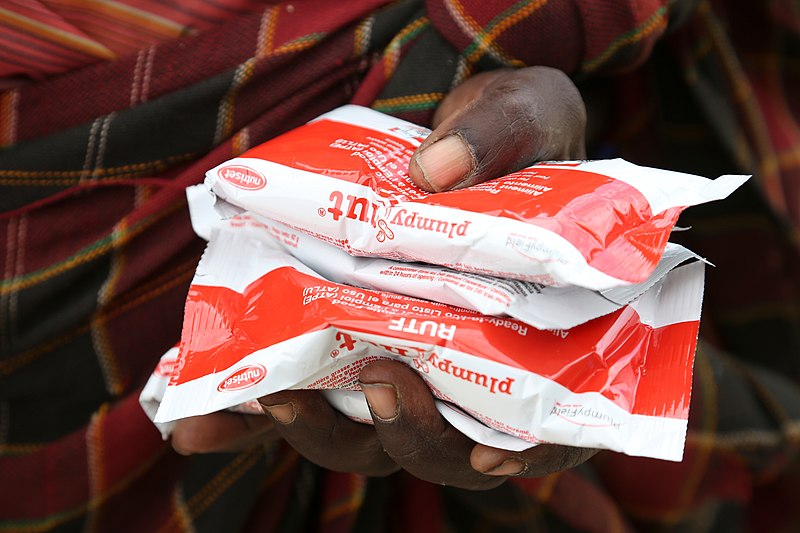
[(258, 321), (343, 178)]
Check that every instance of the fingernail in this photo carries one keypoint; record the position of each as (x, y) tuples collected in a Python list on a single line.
[(445, 162), (509, 467), (283, 413), (382, 400), (495, 462)]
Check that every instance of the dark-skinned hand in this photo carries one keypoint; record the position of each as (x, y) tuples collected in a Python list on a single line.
[(491, 125)]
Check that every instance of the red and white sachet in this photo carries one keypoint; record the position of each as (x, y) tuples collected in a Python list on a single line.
[(541, 306), (258, 321), (153, 393), (350, 402), (343, 178)]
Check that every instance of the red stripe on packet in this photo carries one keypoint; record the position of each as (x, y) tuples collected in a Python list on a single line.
[(642, 369), (602, 217), (343, 178)]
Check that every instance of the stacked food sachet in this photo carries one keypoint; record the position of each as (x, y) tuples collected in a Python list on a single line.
[(543, 306)]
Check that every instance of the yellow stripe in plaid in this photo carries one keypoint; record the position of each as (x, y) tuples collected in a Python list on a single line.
[(362, 37), (100, 341), (391, 56), (70, 41), (350, 504), (240, 142), (219, 484), (266, 33), (19, 449), (95, 462), (50, 522), (508, 18), (9, 109), (180, 512), (472, 29), (415, 102), (657, 21), (228, 105), (153, 289), (88, 253), (289, 461), (244, 71), (118, 13), (29, 177), (299, 44), (768, 168)]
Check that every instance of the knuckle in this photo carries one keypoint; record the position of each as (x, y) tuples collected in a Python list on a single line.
[(408, 442), (569, 458), (180, 449), (336, 446), (184, 446)]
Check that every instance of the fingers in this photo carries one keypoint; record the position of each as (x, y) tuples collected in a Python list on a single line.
[(324, 436), (539, 461), (412, 431), (500, 122), (422, 442), (409, 432), (221, 432)]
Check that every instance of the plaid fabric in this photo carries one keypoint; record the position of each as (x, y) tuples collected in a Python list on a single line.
[(46, 37), (96, 253), (721, 95)]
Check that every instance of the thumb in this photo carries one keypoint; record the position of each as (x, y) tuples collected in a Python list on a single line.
[(500, 123)]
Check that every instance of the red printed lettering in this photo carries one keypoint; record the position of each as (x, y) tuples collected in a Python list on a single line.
[(492, 383), (413, 220), (357, 208)]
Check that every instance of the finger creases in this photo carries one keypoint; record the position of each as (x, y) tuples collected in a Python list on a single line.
[(538, 461), (418, 438), (513, 119), (326, 437), (221, 432)]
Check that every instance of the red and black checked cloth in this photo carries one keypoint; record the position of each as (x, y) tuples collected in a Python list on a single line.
[(96, 251)]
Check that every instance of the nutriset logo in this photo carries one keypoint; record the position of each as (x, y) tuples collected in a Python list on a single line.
[(243, 177), (165, 367), (243, 378)]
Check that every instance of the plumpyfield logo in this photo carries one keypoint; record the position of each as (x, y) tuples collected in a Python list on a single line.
[(585, 415), (243, 177), (244, 377)]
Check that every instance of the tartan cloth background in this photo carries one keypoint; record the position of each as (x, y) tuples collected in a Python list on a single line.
[(96, 253)]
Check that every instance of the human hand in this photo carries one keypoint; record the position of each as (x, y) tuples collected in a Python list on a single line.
[(221, 432), (498, 122), (493, 124), (409, 433)]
